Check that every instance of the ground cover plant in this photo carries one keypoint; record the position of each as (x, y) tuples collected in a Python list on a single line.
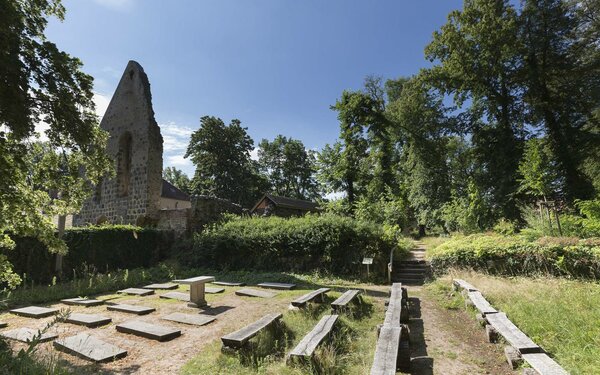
[(559, 315)]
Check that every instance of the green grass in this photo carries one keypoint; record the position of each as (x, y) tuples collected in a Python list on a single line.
[(348, 351), (562, 316)]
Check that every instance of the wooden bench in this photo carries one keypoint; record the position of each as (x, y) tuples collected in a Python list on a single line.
[(392, 351), (481, 303), (309, 297), (397, 310), (397, 288), (309, 343), (343, 300), (543, 364), (240, 337), (461, 284), (512, 334)]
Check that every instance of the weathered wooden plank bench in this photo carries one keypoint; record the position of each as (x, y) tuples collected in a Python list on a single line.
[(481, 303), (512, 334), (397, 310), (345, 299), (461, 284), (397, 288), (240, 337), (309, 343), (543, 364), (392, 351), (309, 297)]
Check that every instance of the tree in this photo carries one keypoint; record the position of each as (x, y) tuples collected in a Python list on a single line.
[(40, 83), (538, 170), (479, 62), (224, 169), (179, 179), (289, 167)]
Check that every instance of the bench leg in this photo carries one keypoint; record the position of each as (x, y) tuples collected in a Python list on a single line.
[(403, 360)]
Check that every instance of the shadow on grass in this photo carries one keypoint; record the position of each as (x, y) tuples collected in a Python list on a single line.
[(217, 310), (271, 343)]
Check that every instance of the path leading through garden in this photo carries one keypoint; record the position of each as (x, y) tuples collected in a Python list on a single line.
[(447, 340)]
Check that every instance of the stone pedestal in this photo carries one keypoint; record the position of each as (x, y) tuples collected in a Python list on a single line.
[(197, 289)]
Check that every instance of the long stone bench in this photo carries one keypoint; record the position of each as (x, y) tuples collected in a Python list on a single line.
[(543, 364), (397, 310), (512, 334), (392, 351), (306, 347), (309, 297), (481, 303), (240, 337), (342, 302), (462, 284)]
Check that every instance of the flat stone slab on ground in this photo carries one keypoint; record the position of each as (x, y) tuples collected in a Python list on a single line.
[(133, 309), (149, 331), (249, 292), (3, 324), (214, 290), (193, 319), (89, 347), (34, 311), (176, 295), (136, 291), (27, 334), (284, 286), (165, 286), (228, 283), (82, 302), (88, 320)]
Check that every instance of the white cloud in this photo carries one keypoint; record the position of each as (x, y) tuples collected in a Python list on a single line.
[(254, 154), (175, 137), (118, 5), (101, 102), (335, 195)]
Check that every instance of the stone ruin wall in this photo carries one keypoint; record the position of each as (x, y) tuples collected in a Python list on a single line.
[(136, 146)]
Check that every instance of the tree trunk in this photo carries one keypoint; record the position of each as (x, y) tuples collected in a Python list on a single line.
[(62, 221)]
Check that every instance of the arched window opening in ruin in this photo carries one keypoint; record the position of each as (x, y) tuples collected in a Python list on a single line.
[(124, 164)]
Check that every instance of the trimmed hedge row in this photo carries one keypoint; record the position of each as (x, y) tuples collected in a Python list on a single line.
[(326, 242), (515, 255), (104, 248)]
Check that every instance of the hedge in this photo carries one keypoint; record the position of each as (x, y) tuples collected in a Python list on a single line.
[(329, 243), (104, 248), (515, 255)]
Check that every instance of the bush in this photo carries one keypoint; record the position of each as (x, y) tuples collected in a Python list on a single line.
[(104, 248), (505, 227), (327, 242), (517, 255)]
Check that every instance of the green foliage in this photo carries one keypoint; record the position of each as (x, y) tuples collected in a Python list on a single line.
[(179, 179), (326, 242), (505, 227), (40, 83), (515, 255), (388, 209), (289, 168), (224, 169), (103, 248), (538, 170)]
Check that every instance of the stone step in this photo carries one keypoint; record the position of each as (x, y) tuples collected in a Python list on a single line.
[(408, 281), (411, 269), (410, 276)]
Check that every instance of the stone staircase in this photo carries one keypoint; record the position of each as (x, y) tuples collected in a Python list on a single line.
[(412, 270)]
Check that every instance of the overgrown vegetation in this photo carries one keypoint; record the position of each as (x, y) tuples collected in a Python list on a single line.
[(326, 242), (559, 315)]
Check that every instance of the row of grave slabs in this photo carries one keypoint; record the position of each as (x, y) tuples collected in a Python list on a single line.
[(87, 345)]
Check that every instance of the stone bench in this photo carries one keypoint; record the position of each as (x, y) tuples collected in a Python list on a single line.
[(481, 303), (543, 364), (309, 297), (240, 337), (397, 310), (343, 300), (500, 324), (392, 351), (461, 284), (311, 341)]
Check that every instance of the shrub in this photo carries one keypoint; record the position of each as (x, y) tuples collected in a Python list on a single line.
[(505, 227), (104, 248), (516, 255), (326, 242)]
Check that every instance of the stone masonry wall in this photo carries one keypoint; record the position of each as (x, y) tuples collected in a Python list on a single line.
[(175, 220), (206, 210)]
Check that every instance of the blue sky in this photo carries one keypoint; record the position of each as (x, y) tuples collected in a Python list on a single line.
[(277, 65)]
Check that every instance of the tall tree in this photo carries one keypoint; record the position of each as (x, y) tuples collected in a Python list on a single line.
[(289, 167), (479, 60), (558, 86), (539, 171), (178, 178), (41, 83), (221, 155)]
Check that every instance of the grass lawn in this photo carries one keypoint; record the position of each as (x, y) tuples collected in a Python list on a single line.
[(562, 316)]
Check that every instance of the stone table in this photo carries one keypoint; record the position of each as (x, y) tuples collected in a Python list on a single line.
[(197, 289)]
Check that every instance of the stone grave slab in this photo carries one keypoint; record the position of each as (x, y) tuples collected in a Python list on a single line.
[(132, 309), (136, 291), (193, 319), (249, 292), (3, 324), (228, 283), (34, 312), (27, 334), (149, 331), (165, 286), (88, 320), (282, 286), (214, 290), (82, 302), (90, 348), (176, 295)]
